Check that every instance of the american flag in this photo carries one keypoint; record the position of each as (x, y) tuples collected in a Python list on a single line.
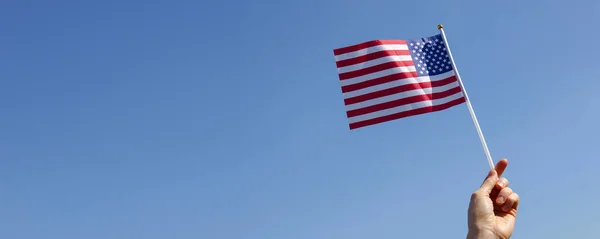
[(384, 80)]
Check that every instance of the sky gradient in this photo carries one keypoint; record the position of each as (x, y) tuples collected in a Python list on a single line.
[(225, 120)]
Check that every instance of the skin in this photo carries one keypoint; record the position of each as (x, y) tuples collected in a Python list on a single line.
[(493, 207)]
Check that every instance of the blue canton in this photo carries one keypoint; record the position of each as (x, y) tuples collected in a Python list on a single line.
[(430, 55)]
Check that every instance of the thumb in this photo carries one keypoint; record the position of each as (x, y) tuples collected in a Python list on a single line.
[(489, 183)]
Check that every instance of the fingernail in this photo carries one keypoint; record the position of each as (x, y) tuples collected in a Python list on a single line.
[(501, 199), (501, 184), (506, 207)]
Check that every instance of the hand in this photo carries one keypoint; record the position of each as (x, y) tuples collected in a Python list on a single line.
[(493, 207)]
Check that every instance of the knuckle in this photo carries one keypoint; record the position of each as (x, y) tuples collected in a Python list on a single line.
[(474, 195), (516, 196), (502, 183), (513, 197), (507, 190)]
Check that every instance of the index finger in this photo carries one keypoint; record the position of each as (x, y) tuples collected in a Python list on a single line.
[(501, 166)]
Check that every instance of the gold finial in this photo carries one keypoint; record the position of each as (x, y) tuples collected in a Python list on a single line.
[(440, 26)]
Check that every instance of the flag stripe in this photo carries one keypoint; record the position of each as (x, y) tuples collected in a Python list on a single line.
[(364, 45), (376, 68), (403, 101), (410, 93), (402, 88), (372, 49), (377, 81), (403, 114), (378, 74), (370, 57), (405, 81), (403, 108), (374, 62)]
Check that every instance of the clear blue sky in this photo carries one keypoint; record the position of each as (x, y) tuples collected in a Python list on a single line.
[(198, 119)]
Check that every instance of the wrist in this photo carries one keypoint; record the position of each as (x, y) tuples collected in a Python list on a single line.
[(477, 234)]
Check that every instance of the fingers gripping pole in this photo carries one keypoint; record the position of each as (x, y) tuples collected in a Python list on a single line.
[(468, 102)]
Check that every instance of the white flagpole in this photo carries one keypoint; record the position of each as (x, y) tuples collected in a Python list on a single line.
[(468, 102)]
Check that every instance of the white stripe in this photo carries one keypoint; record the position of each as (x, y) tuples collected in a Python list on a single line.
[(402, 95), (372, 49), (403, 108), (396, 83), (374, 63), (378, 74)]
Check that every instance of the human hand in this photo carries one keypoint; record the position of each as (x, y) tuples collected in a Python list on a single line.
[(493, 207)]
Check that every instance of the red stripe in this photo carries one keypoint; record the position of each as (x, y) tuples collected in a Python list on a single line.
[(404, 101), (364, 45), (375, 68), (371, 56), (399, 89), (378, 81), (407, 114)]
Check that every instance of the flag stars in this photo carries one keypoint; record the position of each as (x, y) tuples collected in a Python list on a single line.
[(429, 55)]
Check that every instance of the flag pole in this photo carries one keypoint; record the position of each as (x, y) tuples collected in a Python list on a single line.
[(467, 101)]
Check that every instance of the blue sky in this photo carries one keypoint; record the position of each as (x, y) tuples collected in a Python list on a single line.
[(198, 119)]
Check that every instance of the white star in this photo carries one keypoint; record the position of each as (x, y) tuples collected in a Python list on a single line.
[(437, 39), (412, 44), (422, 68), (418, 43), (433, 70), (419, 65), (421, 72), (427, 72)]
